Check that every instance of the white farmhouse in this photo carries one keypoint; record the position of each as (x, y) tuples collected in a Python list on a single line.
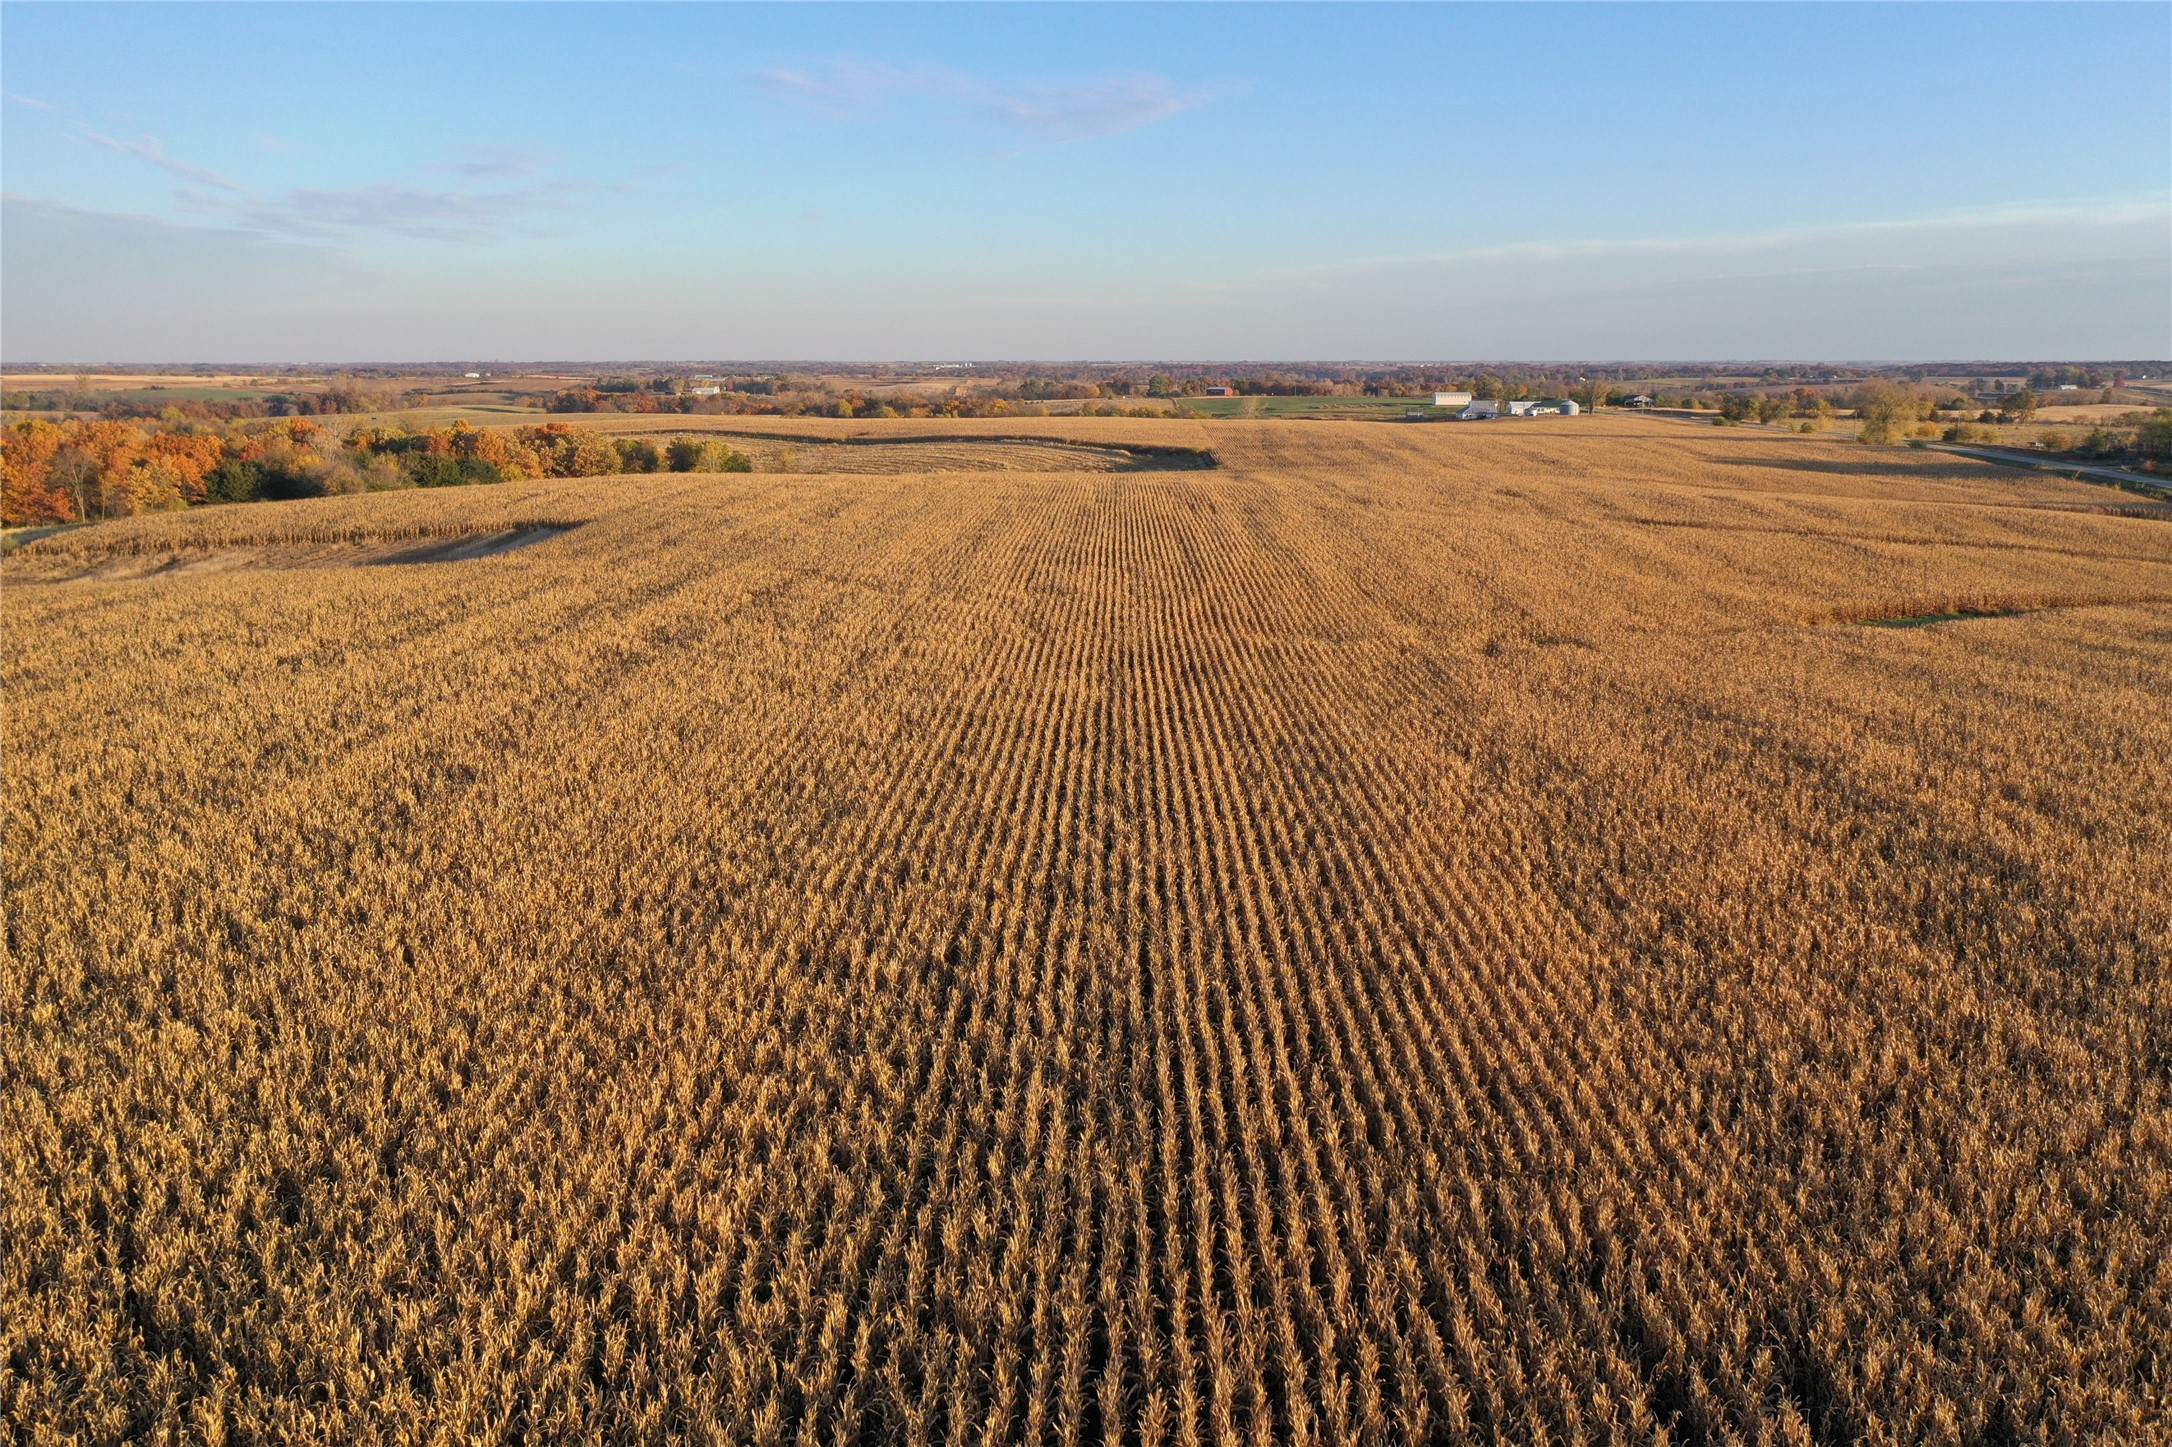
[(1479, 411)]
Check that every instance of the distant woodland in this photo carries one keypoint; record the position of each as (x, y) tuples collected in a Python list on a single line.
[(74, 452)]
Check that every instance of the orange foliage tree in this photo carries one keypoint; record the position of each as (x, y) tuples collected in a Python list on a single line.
[(30, 492)]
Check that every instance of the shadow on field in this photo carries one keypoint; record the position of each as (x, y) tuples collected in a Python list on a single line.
[(1915, 472), (954, 451), (476, 545)]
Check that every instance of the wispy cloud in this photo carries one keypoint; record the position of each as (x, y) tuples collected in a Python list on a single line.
[(419, 213), (2088, 212), (460, 213), (1107, 107), (1049, 113), (839, 89), (494, 162), (2075, 277), (87, 283), (271, 143), (32, 101), (149, 149)]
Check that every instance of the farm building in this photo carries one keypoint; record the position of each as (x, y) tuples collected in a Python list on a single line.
[(1521, 409), (1555, 407), (1451, 399), (1221, 391), (1479, 411), (1639, 400), (706, 389)]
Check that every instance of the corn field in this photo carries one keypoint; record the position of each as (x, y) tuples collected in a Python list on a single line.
[(1413, 935)]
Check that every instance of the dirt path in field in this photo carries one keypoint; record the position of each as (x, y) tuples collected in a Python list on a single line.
[(782, 452), (79, 568)]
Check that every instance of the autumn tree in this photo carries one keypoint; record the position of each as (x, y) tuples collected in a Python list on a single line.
[(1888, 411), (689, 454), (637, 454), (30, 490)]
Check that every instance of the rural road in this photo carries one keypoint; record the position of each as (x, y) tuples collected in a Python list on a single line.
[(2155, 485), (2160, 486)]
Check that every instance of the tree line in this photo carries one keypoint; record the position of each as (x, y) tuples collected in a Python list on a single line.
[(776, 400), (80, 470), (151, 404)]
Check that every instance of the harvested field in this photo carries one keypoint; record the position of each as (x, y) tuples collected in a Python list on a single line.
[(1415, 934), (103, 566), (781, 454), (2086, 412), (787, 452)]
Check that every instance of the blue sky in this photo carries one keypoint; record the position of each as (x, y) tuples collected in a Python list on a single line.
[(332, 182)]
